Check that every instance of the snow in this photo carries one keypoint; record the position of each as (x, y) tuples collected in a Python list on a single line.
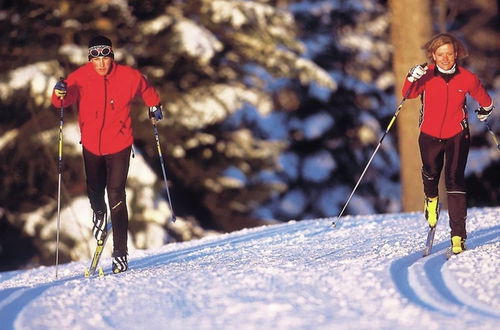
[(207, 110), (480, 159), (289, 163), (8, 137), (156, 25), (38, 77), (318, 167), (293, 202), (365, 273), (317, 124), (196, 41)]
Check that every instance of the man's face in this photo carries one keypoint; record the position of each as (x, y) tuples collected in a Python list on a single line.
[(445, 56), (102, 65)]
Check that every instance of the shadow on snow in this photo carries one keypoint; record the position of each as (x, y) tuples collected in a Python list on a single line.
[(433, 269)]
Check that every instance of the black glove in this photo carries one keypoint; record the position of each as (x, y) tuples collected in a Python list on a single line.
[(483, 113), (156, 112), (60, 89)]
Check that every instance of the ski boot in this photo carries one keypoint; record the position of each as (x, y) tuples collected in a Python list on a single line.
[(431, 210), (119, 262), (99, 228), (457, 245)]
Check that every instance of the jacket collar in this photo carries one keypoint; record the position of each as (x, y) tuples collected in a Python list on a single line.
[(436, 71)]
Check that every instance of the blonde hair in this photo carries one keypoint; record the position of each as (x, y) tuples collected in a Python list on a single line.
[(442, 39)]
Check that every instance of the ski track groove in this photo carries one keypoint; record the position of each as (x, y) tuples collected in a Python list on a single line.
[(423, 281), (13, 300), (17, 298), (426, 281), (226, 244), (462, 295)]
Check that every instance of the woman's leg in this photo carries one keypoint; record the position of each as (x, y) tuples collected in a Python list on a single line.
[(457, 151), (432, 154)]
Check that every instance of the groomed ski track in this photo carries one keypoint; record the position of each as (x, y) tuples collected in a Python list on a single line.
[(368, 272)]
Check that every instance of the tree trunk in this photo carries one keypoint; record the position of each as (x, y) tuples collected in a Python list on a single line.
[(411, 27)]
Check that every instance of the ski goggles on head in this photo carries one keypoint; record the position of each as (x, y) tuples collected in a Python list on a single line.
[(97, 51)]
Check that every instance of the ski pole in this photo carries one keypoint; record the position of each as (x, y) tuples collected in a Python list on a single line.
[(391, 123), (495, 139), (61, 123), (162, 163)]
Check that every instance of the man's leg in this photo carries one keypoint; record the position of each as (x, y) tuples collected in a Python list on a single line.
[(95, 172), (117, 168)]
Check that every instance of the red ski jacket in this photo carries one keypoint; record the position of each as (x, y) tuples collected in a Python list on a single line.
[(443, 112), (104, 105)]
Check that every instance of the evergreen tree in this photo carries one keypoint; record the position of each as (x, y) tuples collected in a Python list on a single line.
[(332, 134), (205, 57)]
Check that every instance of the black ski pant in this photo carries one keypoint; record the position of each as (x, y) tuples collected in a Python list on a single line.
[(110, 172), (451, 152)]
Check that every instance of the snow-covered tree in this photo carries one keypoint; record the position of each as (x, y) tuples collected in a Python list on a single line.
[(333, 134), (205, 57)]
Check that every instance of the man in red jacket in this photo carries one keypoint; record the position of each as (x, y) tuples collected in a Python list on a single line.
[(103, 91), (444, 129)]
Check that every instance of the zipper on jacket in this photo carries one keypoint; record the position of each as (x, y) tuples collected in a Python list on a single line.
[(445, 111), (422, 110), (103, 113)]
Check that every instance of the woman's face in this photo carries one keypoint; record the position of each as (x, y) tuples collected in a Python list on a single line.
[(445, 56), (102, 65)]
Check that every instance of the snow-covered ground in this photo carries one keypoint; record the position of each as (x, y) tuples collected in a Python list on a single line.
[(367, 273)]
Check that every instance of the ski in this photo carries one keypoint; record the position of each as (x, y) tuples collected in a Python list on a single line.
[(429, 241), (449, 253), (94, 264)]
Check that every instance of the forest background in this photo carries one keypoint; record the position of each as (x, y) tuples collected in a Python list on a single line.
[(272, 110)]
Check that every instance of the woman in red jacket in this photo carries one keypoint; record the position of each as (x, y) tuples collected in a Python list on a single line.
[(103, 91), (444, 133)]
